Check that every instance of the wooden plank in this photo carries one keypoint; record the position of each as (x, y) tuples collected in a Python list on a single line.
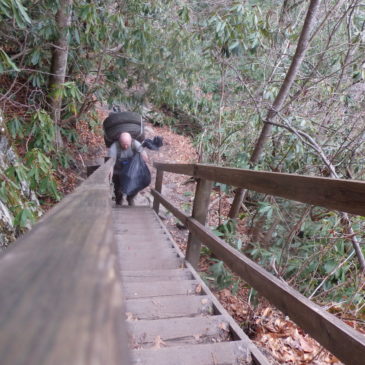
[(158, 187), (59, 290), (174, 210), (225, 353), (236, 332), (177, 168), (175, 331), (156, 275), (91, 169), (101, 176), (339, 338), (148, 254), (125, 247), (342, 195), (168, 307), (200, 212), (168, 263), (159, 289)]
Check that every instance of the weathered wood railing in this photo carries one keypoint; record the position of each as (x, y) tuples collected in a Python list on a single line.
[(60, 298), (347, 196)]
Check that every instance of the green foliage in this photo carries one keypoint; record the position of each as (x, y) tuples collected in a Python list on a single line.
[(43, 131), (317, 262), (24, 218), (18, 182), (40, 174), (6, 62), (219, 276), (14, 9), (11, 194), (63, 159), (16, 128), (227, 231)]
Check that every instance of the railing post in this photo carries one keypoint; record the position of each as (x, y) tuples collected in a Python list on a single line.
[(158, 188), (200, 212)]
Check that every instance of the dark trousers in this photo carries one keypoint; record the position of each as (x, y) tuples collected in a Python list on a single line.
[(118, 191)]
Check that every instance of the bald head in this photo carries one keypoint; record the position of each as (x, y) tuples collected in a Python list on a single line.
[(125, 140)]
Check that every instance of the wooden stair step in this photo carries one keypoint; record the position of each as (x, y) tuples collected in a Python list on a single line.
[(136, 230), (148, 253), (144, 230), (168, 307), (155, 275), (160, 288), (178, 331), (136, 246), (143, 241), (162, 262), (147, 242), (224, 353), (141, 237)]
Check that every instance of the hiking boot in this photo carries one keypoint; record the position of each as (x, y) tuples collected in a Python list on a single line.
[(119, 199), (130, 200)]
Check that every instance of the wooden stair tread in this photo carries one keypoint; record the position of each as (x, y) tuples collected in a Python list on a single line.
[(178, 331), (138, 231), (147, 245), (170, 319), (224, 353), (133, 290), (148, 253), (168, 307), (155, 275), (129, 263)]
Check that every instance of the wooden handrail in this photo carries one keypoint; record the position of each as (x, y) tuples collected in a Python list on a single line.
[(336, 194), (176, 168), (61, 299), (339, 338)]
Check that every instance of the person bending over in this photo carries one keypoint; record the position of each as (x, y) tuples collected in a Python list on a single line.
[(123, 151)]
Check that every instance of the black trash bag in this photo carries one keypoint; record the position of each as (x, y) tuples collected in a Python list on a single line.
[(153, 144), (134, 175)]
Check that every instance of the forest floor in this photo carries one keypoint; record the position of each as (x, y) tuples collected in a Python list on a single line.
[(279, 338)]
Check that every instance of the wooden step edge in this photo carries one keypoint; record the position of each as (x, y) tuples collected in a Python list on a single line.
[(151, 276), (158, 272), (257, 355), (141, 247), (136, 290), (168, 307), (178, 331), (223, 353)]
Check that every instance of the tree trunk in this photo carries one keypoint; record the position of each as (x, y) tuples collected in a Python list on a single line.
[(265, 134), (59, 62)]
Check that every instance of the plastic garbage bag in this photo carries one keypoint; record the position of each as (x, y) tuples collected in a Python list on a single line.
[(134, 175), (153, 144)]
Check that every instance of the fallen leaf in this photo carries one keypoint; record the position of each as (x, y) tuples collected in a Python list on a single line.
[(224, 326), (305, 345), (158, 343), (198, 289), (266, 312), (130, 316)]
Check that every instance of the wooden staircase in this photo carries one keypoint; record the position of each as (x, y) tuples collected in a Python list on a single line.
[(172, 316), (61, 295)]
